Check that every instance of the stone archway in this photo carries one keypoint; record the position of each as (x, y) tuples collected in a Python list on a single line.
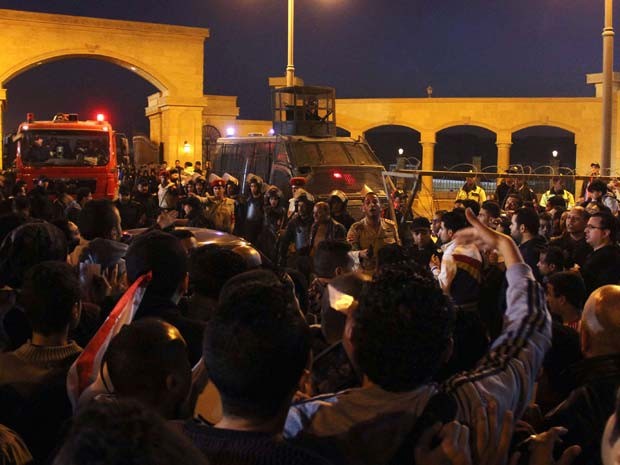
[(387, 139), (169, 57)]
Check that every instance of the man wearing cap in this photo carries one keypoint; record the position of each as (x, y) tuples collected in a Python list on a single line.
[(195, 214), (423, 245), (471, 190), (220, 209), (371, 233)]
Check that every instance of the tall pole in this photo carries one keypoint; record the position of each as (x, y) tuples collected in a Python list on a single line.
[(290, 67), (608, 67)]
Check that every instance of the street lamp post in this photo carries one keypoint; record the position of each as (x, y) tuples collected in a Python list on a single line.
[(608, 66), (290, 67)]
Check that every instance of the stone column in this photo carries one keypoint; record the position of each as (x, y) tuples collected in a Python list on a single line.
[(427, 141), (503, 156), (2, 105)]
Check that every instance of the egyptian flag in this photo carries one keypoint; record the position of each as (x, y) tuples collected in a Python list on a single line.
[(85, 373)]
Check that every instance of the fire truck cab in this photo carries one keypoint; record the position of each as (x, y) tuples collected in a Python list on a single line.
[(79, 153)]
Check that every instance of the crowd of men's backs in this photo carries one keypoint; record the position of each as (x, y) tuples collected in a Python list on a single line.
[(485, 334)]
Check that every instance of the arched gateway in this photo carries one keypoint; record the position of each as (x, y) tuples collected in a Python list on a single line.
[(169, 57)]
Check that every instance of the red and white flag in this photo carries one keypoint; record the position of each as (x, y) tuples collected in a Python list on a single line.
[(85, 372)]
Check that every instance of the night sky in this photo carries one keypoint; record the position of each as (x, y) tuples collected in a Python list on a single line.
[(364, 48)]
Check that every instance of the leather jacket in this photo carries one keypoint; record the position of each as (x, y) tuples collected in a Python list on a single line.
[(589, 405)]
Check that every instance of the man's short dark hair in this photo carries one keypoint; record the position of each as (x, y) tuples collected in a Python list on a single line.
[(163, 255), (82, 193), (125, 432), (528, 218), (256, 347), (28, 245), (210, 266), (402, 326), (142, 355), (97, 219), (608, 221), (329, 256), (554, 256), (49, 293), (557, 201), (124, 189), (569, 285), (454, 220), (492, 208), (471, 203), (598, 186)]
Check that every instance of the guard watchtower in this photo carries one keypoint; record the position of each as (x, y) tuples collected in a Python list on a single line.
[(304, 111)]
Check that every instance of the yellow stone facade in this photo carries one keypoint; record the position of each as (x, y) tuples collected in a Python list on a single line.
[(169, 57)]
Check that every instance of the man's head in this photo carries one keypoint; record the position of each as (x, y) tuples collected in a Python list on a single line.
[(51, 297), (595, 169), (489, 213), (305, 204), (524, 222), (551, 260), (372, 206), (436, 223), (100, 219), (38, 140), (124, 193), (147, 361), (332, 259), (471, 203), (470, 180), (597, 189), (256, 347), (337, 202), (400, 333), (255, 186), (546, 225), (83, 195), (143, 186), (125, 432), (219, 188), (177, 163), (165, 257), (601, 230), (321, 212), (576, 220), (451, 222), (421, 231), (513, 202), (191, 205), (29, 245), (556, 183), (210, 266), (297, 183), (565, 289), (600, 322)]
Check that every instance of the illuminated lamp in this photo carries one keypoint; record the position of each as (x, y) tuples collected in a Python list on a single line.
[(337, 175), (230, 131), (186, 147), (100, 117)]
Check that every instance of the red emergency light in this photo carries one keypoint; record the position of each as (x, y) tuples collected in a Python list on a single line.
[(100, 117), (337, 175), (29, 117)]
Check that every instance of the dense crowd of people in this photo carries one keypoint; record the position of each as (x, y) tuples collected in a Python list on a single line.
[(488, 334)]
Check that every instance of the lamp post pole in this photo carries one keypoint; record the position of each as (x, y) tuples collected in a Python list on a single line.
[(290, 67), (608, 66)]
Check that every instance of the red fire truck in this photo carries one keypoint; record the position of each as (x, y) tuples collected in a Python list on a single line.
[(79, 153)]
